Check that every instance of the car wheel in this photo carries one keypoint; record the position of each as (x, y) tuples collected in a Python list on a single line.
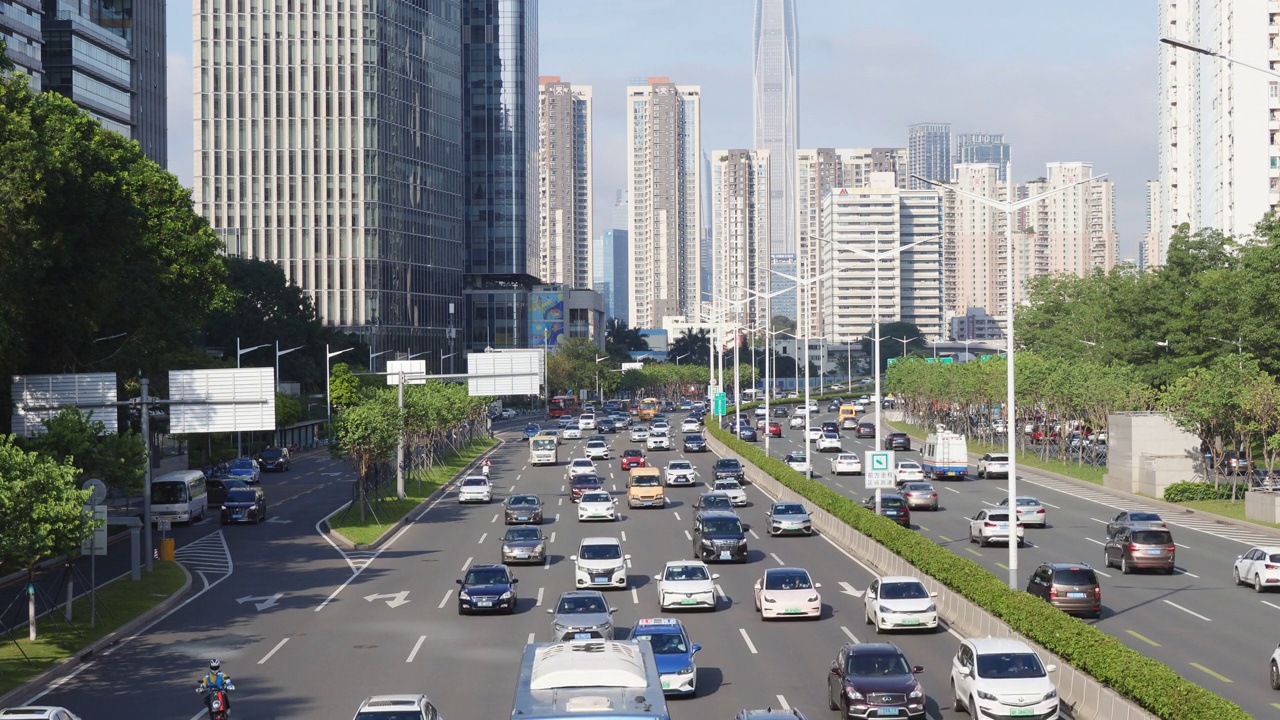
[(1257, 583), (956, 702), (1275, 676), (1235, 575), (832, 704), (460, 610), (867, 615)]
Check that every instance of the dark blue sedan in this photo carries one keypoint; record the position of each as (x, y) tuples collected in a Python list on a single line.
[(487, 588)]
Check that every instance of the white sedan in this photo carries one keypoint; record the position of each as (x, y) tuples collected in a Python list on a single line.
[(796, 421), (686, 584), (893, 603), (829, 442), (1259, 567), (597, 450), (909, 471), (658, 440), (681, 472), (475, 488), (690, 426), (787, 592), (990, 526), (798, 462), (731, 487), (813, 434), (597, 505), (846, 463), (581, 466), (1030, 511), (572, 432)]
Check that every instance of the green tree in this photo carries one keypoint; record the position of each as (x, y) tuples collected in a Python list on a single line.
[(618, 333), (76, 438), (368, 432), (345, 388), (782, 323), (288, 410), (694, 345), (572, 365)]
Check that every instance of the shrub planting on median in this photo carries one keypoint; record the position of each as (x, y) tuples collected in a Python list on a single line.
[(1188, 490), (1151, 684)]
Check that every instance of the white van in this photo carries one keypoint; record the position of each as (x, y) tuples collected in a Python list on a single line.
[(179, 496), (945, 455), (587, 421)]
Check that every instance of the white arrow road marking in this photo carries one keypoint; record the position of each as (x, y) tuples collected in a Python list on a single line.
[(849, 590), (267, 600), (539, 602), (278, 521), (416, 646), (443, 602), (750, 646), (397, 599), (273, 651)]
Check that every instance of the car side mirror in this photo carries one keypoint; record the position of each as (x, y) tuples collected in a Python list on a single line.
[(550, 611), (817, 585), (613, 610), (1239, 557), (917, 669), (1050, 668), (871, 594), (933, 594), (459, 581), (695, 649), (515, 580), (715, 576), (573, 557)]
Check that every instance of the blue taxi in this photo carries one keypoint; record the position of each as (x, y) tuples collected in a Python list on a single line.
[(673, 653), (530, 430)]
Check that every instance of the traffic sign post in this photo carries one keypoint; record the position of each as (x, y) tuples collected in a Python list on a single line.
[(878, 472), (721, 404)]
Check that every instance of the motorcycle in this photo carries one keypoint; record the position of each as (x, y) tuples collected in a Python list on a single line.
[(217, 700), (485, 469)]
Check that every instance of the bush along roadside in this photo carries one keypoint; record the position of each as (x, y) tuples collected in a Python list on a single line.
[(1149, 683), (1189, 490)]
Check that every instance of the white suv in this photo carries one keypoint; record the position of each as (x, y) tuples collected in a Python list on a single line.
[(600, 564), (38, 712), (1002, 677), (397, 707)]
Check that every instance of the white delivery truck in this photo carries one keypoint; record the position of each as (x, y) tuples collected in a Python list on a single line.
[(945, 455)]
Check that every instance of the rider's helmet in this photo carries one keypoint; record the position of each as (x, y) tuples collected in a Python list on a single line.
[(215, 665)]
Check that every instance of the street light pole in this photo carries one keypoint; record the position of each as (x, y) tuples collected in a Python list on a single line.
[(328, 397), (1009, 208), (904, 342), (239, 352), (800, 317)]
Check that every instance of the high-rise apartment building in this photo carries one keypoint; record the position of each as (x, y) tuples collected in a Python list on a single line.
[(334, 149), (875, 219), (740, 226), (929, 153), (774, 71), (1180, 143), (1077, 226), (20, 31), (818, 171), (1246, 148), (1150, 250), (974, 244), (500, 146), (665, 225), (564, 177), (784, 303), (981, 148)]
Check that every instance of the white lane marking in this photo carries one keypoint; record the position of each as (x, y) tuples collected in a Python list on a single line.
[(687, 536), (445, 600), (495, 518), (512, 489), (1264, 602), (750, 646), (482, 537), (561, 488), (635, 597), (1189, 612), (676, 513), (849, 634), (561, 502), (1103, 574), (614, 487), (1180, 571), (1095, 542), (553, 536), (557, 517), (623, 533), (1055, 507), (783, 702), (546, 563), (466, 564), (775, 557), (197, 716), (539, 602), (273, 651), (416, 647), (628, 563), (519, 475), (1104, 522), (753, 534), (990, 504), (720, 592), (531, 637), (1184, 547), (944, 487)]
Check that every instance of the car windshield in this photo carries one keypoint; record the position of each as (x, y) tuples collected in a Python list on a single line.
[(525, 500), (728, 465), (788, 509), (917, 487), (686, 572), (887, 501), (712, 501), (846, 458), (1010, 665), (522, 533), (680, 465), (665, 643), (1152, 537), (722, 526), (596, 444), (474, 481), (487, 576), (596, 497), (581, 605), (873, 664), (586, 481), (728, 485), (241, 495), (1144, 517), (600, 552), (787, 580), (693, 438), (271, 454), (903, 591), (644, 480), (243, 464)]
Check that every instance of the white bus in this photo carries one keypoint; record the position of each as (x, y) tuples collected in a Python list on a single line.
[(179, 496), (543, 450)]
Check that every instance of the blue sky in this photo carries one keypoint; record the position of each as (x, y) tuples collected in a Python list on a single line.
[(1063, 81)]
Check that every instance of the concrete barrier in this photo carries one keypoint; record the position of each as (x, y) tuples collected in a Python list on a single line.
[(1084, 696)]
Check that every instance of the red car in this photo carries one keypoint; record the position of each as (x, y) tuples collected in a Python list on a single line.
[(632, 459), (775, 430)]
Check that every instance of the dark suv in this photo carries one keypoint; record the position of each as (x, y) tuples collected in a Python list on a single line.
[(897, 441), (865, 430), (718, 535), (1141, 548), (274, 458), (730, 468), (1071, 587), (874, 680), (892, 506)]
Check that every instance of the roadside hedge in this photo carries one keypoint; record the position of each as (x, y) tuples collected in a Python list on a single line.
[(1151, 684), (1199, 490)]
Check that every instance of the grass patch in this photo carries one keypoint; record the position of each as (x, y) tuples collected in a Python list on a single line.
[(1086, 472), (418, 486), (119, 601), (1233, 509)]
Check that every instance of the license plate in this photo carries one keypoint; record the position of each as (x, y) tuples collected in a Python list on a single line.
[(582, 636), (484, 603), (1002, 527), (725, 555), (688, 602), (236, 516), (911, 621), (1153, 552), (666, 685), (1075, 594), (1020, 712), (791, 611), (522, 555), (522, 518), (888, 712), (602, 578), (792, 526)]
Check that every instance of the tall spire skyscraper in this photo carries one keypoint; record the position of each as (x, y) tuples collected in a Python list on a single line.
[(774, 70)]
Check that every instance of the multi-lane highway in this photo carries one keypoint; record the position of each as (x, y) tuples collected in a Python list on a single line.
[(1196, 621), (334, 636)]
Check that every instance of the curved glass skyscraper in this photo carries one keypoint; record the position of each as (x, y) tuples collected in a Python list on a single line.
[(774, 69)]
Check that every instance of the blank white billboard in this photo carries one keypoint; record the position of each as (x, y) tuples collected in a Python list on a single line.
[(222, 400), (507, 372), (416, 371), (37, 398)]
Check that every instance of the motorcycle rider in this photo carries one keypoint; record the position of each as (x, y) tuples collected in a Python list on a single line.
[(215, 680), (484, 467)]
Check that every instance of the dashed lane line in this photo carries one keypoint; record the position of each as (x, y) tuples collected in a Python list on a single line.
[(416, 647), (273, 651), (747, 638), (445, 600)]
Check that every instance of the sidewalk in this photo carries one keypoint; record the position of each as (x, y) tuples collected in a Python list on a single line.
[(1171, 508)]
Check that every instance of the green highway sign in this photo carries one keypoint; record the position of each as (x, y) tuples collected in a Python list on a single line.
[(721, 404)]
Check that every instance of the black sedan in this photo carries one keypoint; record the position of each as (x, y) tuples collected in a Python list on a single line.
[(605, 425), (694, 443), (747, 433), (892, 506), (779, 411), (244, 505), (276, 459), (875, 679), (522, 509), (487, 588)]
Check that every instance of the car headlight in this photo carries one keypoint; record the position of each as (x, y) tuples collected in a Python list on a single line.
[(505, 596), (933, 607), (507, 549), (916, 693), (884, 609), (812, 599), (464, 595), (1049, 695), (768, 599), (687, 671), (852, 694), (742, 543), (985, 695), (707, 543)]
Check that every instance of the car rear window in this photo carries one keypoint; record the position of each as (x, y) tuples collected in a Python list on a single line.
[(1152, 537), (1144, 517), (1075, 576)]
